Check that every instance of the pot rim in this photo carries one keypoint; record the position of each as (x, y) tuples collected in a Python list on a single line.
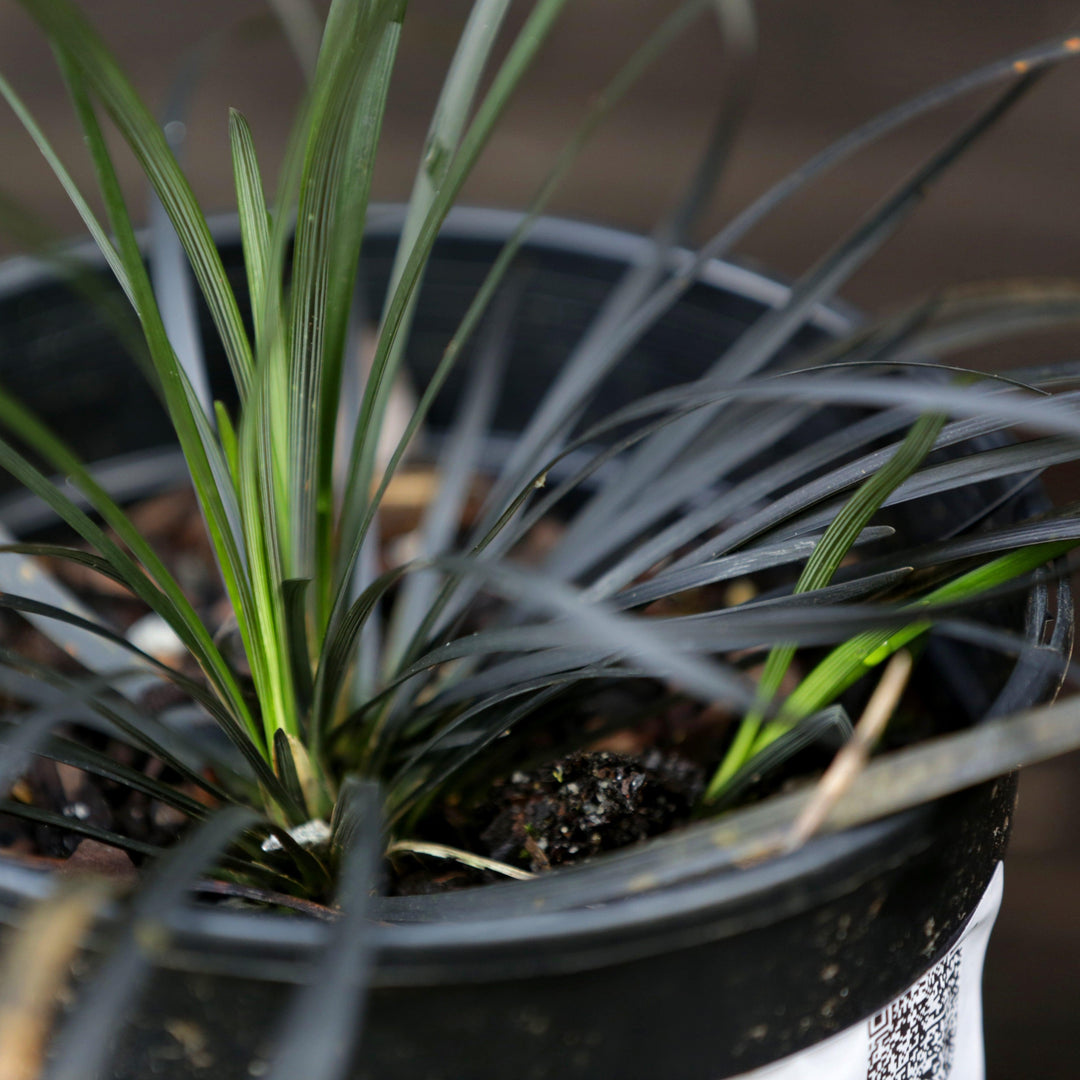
[(621, 926), (495, 226)]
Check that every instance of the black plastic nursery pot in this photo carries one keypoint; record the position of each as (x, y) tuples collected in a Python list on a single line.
[(690, 968)]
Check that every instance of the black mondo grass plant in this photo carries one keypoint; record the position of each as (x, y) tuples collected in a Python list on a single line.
[(723, 549)]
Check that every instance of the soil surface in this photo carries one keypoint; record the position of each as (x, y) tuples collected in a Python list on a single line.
[(561, 812), (587, 803)]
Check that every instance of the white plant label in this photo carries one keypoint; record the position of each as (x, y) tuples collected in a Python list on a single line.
[(933, 1031)]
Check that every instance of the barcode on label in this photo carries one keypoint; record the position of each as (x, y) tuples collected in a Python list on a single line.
[(914, 1037)]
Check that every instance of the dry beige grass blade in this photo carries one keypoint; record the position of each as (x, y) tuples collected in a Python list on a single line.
[(34, 972), (853, 756), (466, 858)]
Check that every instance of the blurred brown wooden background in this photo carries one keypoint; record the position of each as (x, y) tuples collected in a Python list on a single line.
[(1010, 209)]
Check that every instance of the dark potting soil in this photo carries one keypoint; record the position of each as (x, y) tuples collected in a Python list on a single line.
[(587, 803), (557, 814)]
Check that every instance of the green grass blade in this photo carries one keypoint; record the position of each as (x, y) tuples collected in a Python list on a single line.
[(441, 144), (832, 723), (294, 593), (364, 126), (848, 662), (987, 412), (263, 628), (357, 496), (229, 445), (817, 573), (254, 221)]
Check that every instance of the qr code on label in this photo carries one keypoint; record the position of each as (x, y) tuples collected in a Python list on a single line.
[(913, 1038)]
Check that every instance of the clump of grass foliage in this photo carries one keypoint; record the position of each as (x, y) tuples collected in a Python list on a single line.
[(367, 681)]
